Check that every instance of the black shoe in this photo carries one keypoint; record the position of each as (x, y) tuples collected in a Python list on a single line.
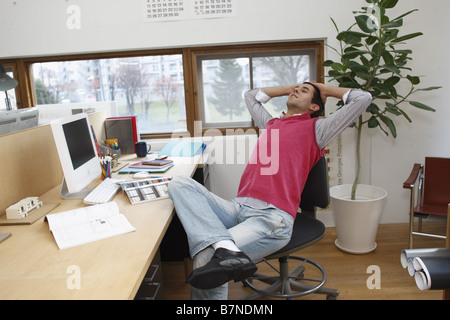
[(225, 265)]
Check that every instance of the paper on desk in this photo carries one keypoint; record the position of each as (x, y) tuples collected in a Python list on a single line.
[(79, 226)]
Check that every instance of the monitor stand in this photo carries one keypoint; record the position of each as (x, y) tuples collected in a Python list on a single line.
[(77, 195)]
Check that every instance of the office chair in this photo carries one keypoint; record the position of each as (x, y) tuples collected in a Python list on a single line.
[(306, 231), (433, 194)]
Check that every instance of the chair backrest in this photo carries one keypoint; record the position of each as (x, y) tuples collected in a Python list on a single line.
[(316, 192), (436, 189)]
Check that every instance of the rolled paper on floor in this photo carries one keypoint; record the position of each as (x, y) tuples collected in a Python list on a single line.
[(432, 273), (410, 254), (410, 267)]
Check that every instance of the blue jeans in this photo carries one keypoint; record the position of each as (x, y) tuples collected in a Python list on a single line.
[(208, 218)]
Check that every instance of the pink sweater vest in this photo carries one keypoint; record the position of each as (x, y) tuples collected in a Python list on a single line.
[(279, 165)]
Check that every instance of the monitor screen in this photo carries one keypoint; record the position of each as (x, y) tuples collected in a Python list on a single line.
[(78, 141)]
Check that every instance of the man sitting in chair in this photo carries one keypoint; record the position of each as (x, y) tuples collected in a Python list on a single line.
[(226, 237)]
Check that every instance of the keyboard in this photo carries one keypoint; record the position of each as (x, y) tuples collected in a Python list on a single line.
[(104, 192)]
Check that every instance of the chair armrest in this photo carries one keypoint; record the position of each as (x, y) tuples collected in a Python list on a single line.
[(412, 176)]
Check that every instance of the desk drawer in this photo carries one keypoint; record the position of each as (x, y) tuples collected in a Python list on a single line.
[(151, 287), (150, 291)]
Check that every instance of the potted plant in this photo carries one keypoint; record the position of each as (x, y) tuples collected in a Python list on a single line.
[(373, 58)]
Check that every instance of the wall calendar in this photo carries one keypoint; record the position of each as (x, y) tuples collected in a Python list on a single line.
[(168, 10)]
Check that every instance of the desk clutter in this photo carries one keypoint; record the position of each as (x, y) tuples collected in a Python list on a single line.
[(146, 190), (429, 267)]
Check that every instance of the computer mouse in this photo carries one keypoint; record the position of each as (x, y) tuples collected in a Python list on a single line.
[(141, 175)]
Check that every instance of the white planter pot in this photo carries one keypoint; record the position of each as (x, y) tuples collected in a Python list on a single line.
[(357, 220)]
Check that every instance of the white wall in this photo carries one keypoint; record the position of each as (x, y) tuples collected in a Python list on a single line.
[(38, 27)]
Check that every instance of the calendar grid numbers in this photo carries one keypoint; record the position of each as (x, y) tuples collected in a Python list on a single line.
[(213, 7), (167, 10), (160, 10)]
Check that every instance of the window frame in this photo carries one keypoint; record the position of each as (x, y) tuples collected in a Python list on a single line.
[(25, 91)]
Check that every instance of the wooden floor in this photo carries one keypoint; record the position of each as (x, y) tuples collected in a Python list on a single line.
[(345, 272)]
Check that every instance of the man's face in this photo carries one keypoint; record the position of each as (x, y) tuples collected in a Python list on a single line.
[(300, 101)]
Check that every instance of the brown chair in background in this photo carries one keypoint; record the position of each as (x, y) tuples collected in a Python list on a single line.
[(433, 193)]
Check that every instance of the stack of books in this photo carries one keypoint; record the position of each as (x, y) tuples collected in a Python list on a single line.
[(153, 166)]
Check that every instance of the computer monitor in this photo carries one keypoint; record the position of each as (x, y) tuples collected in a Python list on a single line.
[(77, 153)]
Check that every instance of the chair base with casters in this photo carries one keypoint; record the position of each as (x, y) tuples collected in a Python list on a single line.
[(290, 284)]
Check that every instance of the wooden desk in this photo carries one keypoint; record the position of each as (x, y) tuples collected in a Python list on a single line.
[(32, 266)]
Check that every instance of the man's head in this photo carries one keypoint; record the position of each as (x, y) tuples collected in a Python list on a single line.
[(305, 99)]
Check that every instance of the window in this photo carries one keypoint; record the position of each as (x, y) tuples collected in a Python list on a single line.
[(170, 89), (223, 78), (150, 87)]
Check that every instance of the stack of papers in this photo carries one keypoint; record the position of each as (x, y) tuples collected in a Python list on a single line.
[(152, 166)]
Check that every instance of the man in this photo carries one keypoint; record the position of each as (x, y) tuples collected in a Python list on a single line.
[(226, 237)]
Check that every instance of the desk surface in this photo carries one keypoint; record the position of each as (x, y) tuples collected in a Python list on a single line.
[(32, 266)]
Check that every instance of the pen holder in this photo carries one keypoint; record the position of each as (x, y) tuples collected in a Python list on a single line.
[(107, 151)]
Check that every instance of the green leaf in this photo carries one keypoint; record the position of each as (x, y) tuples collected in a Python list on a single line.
[(338, 67), (429, 89), (388, 58), (393, 24), (360, 71), (335, 25), (421, 106), (378, 49), (390, 35), (366, 23), (393, 109), (388, 4), (405, 115), (373, 122), (413, 79), (371, 40), (343, 34), (392, 81), (373, 109), (392, 68), (348, 37), (393, 92), (407, 37), (390, 125), (404, 15)]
